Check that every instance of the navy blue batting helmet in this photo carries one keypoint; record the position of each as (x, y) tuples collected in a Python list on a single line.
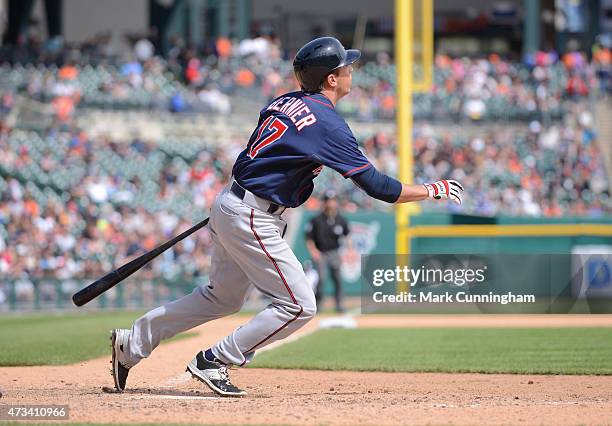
[(318, 58)]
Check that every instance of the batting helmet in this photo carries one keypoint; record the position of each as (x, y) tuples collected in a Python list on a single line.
[(318, 58)]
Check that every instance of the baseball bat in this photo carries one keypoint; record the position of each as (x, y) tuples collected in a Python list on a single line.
[(113, 278)]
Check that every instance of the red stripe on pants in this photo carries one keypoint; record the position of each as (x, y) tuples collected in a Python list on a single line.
[(282, 277)]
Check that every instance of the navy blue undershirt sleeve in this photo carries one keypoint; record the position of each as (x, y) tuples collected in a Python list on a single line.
[(378, 185)]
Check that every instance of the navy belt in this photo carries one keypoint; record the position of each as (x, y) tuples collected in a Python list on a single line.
[(240, 192)]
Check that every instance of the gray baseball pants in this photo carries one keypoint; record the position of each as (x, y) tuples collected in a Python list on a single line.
[(330, 260), (248, 249)]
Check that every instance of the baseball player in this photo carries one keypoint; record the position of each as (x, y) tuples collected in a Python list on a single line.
[(297, 135)]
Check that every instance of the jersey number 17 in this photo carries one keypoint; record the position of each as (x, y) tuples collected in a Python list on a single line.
[(277, 128)]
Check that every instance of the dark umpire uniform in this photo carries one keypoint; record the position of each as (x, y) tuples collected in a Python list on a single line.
[(325, 232)]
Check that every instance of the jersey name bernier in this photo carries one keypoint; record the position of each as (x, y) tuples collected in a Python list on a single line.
[(294, 108)]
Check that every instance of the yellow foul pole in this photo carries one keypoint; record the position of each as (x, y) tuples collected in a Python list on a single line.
[(426, 38), (404, 35)]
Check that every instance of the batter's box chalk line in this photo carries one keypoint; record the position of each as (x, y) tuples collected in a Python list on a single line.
[(179, 380), (159, 393), (154, 396)]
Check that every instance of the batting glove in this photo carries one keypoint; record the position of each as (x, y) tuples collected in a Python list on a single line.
[(445, 189)]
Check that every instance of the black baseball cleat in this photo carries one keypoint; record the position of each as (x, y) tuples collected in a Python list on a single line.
[(214, 374), (119, 371)]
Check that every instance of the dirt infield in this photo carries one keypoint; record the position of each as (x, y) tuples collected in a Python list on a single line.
[(161, 393)]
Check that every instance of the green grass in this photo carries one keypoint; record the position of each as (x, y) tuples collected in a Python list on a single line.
[(452, 350), (59, 339)]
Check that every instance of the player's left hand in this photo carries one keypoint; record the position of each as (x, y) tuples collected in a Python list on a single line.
[(445, 189)]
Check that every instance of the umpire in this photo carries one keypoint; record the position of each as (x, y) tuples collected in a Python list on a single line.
[(323, 235)]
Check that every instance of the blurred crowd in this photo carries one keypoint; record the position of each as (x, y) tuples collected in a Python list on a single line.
[(224, 72), (483, 89), (81, 225), (534, 170), (185, 80)]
